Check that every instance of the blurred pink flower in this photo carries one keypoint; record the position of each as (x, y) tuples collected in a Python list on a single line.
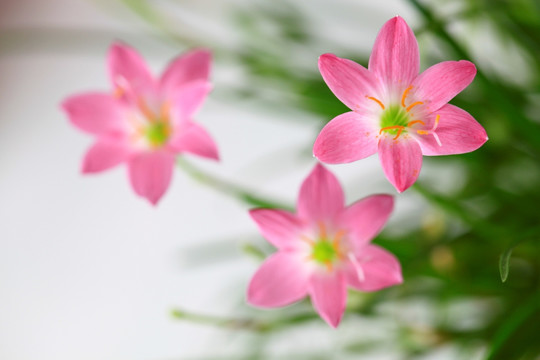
[(323, 248), (395, 111), (145, 121)]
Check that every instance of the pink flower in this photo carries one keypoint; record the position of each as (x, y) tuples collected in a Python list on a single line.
[(323, 248), (145, 122), (396, 111)]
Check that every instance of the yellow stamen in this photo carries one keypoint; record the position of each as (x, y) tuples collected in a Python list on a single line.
[(405, 96), (413, 105), (377, 101), (118, 92), (164, 111), (328, 266), (422, 132), (145, 110), (436, 121), (322, 230), (399, 127), (307, 239), (411, 123)]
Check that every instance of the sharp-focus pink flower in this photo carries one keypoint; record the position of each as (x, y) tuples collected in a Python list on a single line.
[(145, 121), (323, 248), (395, 111)]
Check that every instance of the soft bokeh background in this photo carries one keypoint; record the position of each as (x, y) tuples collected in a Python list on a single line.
[(90, 271)]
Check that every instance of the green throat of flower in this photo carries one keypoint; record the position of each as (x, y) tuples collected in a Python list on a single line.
[(157, 133), (324, 252), (394, 120)]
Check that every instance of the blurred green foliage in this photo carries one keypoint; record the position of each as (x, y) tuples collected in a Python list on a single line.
[(495, 210)]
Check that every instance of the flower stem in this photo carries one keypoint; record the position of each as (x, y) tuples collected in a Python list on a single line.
[(228, 188)]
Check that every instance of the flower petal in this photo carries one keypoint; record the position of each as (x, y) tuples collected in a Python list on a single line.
[(129, 73), (150, 174), (188, 99), (458, 133), (395, 57), (194, 139), (441, 82), (366, 217), (329, 296), (348, 137), (103, 155), (378, 269), (349, 81), (279, 227), (94, 113), (321, 196), (401, 160), (281, 280), (192, 66)]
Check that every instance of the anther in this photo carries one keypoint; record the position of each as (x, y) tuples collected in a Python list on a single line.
[(377, 101), (399, 127), (405, 96), (413, 105), (411, 123)]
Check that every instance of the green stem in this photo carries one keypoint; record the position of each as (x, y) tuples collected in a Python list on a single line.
[(228, 188)]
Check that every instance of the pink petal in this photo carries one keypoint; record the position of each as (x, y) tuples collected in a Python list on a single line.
[(395, 56), (103, 155), (192, 66), (348, 137), (321, 196), (129, 73), (441, 82), (378, 269), (349, 81), (401, 160), (458, 133), (188, 99), (281, 280), (279, 227), (150, 174), (95, 113), (365, 218), (329, 296), (192, 138)]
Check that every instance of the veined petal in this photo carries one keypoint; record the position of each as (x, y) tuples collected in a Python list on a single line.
[(104, 154), (329, 296), (321, 196), (192, 66), (193, 138), (378, 269), (281, 280), (348, 137), (458, 133), (349, 81), (188, 99), (94, 113), (129, 73), (441, 82), (395, 58), (401, 160), (150, 174), (366, 217), (279, 227)]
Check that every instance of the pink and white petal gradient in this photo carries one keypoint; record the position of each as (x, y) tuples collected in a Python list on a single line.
[(145, 122), (346, 138), (323, 248), (403, 113), (280, 281)]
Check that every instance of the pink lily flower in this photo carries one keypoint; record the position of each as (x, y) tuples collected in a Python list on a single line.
[(145, 122), (323, 248), (396, 111)]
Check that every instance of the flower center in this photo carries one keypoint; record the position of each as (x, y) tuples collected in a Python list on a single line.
[(396, 119), (157, 132), (324, 252), (327, 249)]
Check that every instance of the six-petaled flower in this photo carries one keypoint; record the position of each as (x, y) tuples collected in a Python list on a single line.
[(396, 112), (145, 122), (323, 248)]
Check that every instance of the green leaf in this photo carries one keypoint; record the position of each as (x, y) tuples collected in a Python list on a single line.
[(504, 263)]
